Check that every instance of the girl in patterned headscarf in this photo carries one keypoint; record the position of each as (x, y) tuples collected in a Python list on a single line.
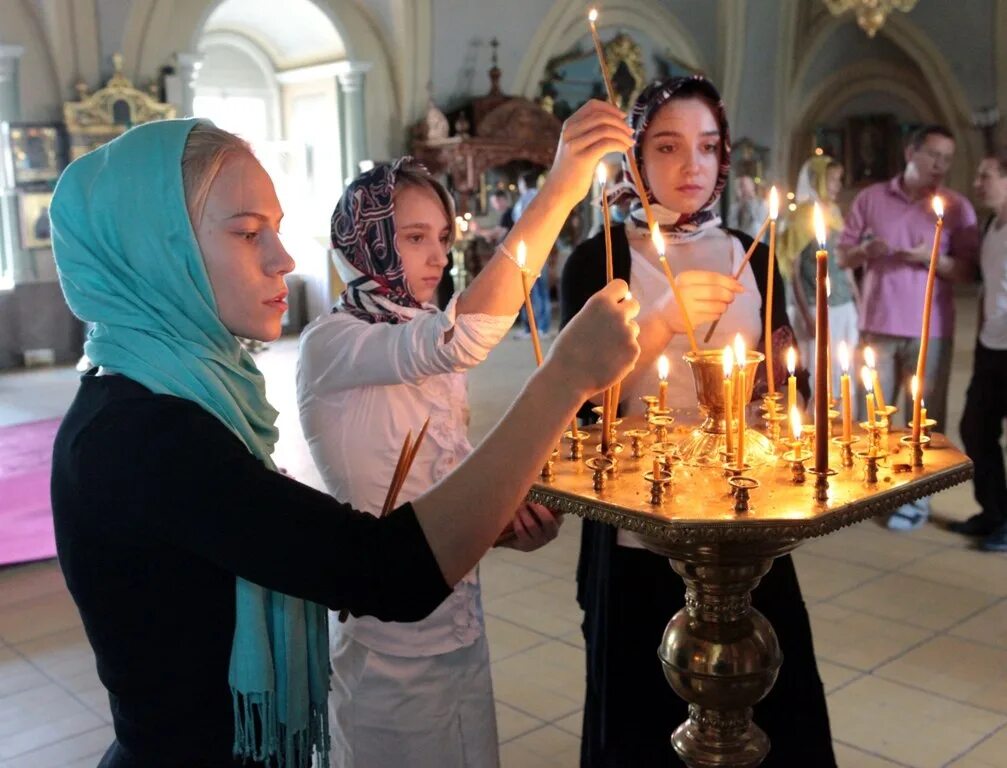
[(682, 148), (380, 365)]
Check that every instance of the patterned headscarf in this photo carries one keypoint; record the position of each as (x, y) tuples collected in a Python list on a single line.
[(366, 257), (674, 225)]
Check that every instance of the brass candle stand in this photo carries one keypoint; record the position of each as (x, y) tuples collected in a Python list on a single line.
[(636, 437), (916, 448), (845, 451), (871, 459), (547, 470), (576, 443), (928, 425), (796, 457), (719, 654), (661, 422), (658, 484)]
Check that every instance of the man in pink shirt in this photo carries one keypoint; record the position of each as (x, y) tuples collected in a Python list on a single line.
[(888, 233)]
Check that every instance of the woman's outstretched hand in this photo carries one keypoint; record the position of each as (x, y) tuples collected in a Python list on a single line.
[(599, 346), (590, 133), (706, 296), (533, 527)]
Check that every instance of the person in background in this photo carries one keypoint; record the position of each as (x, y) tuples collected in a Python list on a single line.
[(501, 204), (986, 399), (888, 233), (748, 209), (820, 181), (540, 302)]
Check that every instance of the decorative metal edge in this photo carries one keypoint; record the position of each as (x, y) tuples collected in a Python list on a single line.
[(714, 531)]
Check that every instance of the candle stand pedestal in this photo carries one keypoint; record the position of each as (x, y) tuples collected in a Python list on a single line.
[(718, 653)]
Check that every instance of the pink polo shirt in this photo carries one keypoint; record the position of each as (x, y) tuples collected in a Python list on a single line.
[(892, 290)]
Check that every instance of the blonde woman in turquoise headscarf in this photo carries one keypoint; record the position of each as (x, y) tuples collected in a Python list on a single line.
[(202, 575)]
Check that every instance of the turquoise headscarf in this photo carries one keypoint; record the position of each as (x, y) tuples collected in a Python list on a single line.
[(129, 263)]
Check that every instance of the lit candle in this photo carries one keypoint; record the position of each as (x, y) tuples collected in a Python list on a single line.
[(657, 468), (740, 358), (728, 400), (663, 367), (658, 240), (821, 348), (607, 220), (865, 376), (792, 379), (796, 429), (928, 299), (522, 259), (872, 363), (844, 390), (774, 212), (592, 19)]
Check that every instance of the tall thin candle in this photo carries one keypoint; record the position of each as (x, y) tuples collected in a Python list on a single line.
[(928, 300), (868, 380), (607, 221), (821, 348), (522, 259), (792, 378), (728, 360), (872, 362), (796, 429), (740, 358), (844, 391), (774, 212)]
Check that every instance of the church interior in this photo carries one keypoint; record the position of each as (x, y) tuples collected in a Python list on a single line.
[(909, 625)]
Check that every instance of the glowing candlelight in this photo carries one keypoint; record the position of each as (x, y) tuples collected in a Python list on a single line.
[(740, 358), (602, 174), (868, 380), (728, 360), (522, 260), (796, 430), (844, 390), (792, 379), (871, 361), (658, 239), (928, 300), (821, 347), (663, 368), (774, 212)]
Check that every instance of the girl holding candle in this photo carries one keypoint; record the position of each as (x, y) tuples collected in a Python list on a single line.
[(385, 359), (201, 574), (683, 150), (821, 181)]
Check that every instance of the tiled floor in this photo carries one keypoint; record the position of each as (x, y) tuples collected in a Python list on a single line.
[(910, 629)]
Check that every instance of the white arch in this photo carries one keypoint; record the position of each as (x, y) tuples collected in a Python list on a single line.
[(566, 23)]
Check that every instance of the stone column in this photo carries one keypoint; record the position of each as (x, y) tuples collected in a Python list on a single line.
[(353, 117), (10, 111)]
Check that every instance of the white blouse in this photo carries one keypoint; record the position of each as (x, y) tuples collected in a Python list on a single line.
[(743, 315), (360, 388)]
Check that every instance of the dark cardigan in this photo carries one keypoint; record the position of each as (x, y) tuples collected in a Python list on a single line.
[(628, 595)]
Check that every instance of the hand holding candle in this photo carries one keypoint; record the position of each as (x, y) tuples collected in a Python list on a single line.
[(844, 389), (928, 299)]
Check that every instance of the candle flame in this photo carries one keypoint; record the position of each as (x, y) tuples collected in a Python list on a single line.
[(914, 386), (728, 361), (592, 15), (795, 422), (602, 173), (791, 360), (740, 356), (867, 378), (522, 254), (657, 238), (663, 367), (844, 357), (819, 220), (938, 206), (774, 203), (468, 217), (628, 296), (869, 358)]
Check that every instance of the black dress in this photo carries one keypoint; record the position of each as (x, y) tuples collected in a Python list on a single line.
[(630, 710), (158, 506)]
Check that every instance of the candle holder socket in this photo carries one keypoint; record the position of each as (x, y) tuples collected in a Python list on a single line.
[(928, 425), (658, 485), (547, 473), (614, 450), (774, 424), (822, 484), (742, 488), (600, 467), (874, 432), (845, 451), (734, 470), (916, 448), (797, 459), (636, 437), (650, 403), (661, 423), (871, 460), (576, 443)]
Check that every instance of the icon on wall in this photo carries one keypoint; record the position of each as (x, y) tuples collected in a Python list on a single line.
[(33, 212), (34, 152)]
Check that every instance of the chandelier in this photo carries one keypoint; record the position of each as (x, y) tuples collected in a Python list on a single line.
[(871, 14)]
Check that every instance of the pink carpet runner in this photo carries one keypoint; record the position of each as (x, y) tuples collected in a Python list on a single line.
[(25, 513)]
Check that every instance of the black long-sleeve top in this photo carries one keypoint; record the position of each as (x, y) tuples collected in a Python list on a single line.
[(157, 508)]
